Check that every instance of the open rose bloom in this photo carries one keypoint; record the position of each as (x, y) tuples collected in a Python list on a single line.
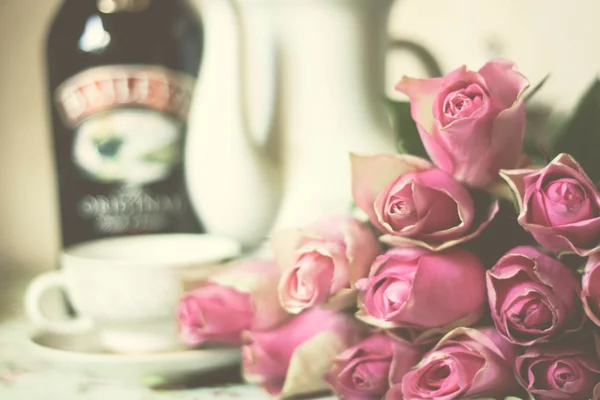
[(222, 306), (472, 124), (293, 359), (411, 288), (568, 370), (415, 204), (366, 370), (320, 263), (466, 363), (533, 297), (559, 205)]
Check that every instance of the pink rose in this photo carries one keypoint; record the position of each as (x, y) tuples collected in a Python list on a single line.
[(472, 124), (292, 359), (202, 315), (321, 262), (562, 373), (416, 288), (366, 370), (466, 363), (559, 205), (533, 297), (241, 297), (590, 294), (414, 204)]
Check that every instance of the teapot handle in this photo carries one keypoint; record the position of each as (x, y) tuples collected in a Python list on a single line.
[(432, 66)]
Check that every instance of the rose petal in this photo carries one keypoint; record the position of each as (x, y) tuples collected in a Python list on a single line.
[(309, 363), (494, 378), (362, 247), (579, 233), (305, 286), (422, 94), (309, 253), (497, 378), (508, 133), (394, 393), (370, 360), (371, 174), (284, 244), (440, 213), (436, 148), (458, 275), (527, 269), (478, 226), (405, 356), (533, 367), (331, 254), (260, 279), (267, 355), (443, 182), (434, 278), (504, 81), (515, 179), (566, 238)]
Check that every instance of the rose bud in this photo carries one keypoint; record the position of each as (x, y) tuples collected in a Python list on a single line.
[(472, 124), (415, 204), (559, 372), (321, 262), (590, 293), (241, 297), (292, 359), (419, 289), (366, 370), (559, 205), (533, 297), (466, 363)]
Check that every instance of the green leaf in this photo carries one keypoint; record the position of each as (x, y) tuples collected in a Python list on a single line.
[(557, 123), (407, 134), (580, 136), (535, 89), (534, 150), (538, 127)]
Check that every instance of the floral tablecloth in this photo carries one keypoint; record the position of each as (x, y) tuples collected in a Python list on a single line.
[(23, 377)]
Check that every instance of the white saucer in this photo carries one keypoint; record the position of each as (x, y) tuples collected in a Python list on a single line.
[(81, 354)]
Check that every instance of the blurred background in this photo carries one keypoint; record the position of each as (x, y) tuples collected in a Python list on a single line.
[(541, 36)]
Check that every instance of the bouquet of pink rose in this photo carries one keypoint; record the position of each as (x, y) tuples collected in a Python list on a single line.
[(438, 286)]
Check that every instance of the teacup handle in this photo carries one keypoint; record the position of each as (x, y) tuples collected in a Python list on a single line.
[(33, 296)]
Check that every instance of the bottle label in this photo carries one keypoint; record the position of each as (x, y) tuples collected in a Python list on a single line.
[(128, 125)]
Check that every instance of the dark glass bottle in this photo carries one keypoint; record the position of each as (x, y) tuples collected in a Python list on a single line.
[(121, 75)]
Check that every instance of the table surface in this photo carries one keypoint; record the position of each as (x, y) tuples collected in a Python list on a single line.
[(23, 377)]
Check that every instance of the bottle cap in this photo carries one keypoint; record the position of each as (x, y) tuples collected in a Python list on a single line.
[(113, 6)]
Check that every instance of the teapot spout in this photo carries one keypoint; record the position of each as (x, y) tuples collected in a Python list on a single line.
[(233, 181)]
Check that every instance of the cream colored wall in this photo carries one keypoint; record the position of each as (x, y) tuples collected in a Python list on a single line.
[(540, 35), (28, 224)]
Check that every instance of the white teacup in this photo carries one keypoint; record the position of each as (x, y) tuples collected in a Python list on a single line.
[(128, 288)]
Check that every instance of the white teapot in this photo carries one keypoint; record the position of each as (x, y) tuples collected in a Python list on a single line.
[(287, 89)]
